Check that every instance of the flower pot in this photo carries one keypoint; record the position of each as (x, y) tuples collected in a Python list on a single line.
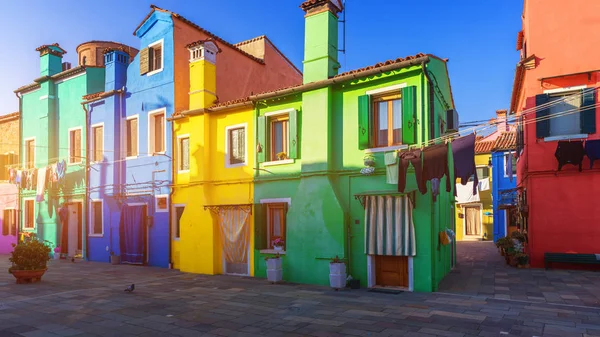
[(337, 275), (274, 270), (28, 276), (278, 248), (57, 256), (502, 252), (274, 264), (115, 259)]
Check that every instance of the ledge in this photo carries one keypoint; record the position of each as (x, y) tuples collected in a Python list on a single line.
[(278, 162), (272, 251), (386, 149), (566, 137)]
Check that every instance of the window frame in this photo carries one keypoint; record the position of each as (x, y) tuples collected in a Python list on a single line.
[(228, 130), (275, 201), (70, 146), (180, 155), (379, 92), (93, 142), (176, 222), (375, 100), (25, 157), (15, 215), (162, 57), (159, 196), (152, 131), (514, 162), (127, 136), (567, 91), (91, 232), (25, 212)]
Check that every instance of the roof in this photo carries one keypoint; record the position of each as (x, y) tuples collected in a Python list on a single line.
[(484, 146), (61, 75), (190, 23), (506, 141), (266, 39), (12, 115), (56, 45), (381, 64), (202, 42), (309, 4)]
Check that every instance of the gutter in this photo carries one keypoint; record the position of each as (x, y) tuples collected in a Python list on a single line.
[(87, 179), (19, 211)]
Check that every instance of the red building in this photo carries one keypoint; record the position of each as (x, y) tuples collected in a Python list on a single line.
[(555, 99)]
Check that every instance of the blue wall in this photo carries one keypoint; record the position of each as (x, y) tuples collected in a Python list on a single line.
[(500, 182)]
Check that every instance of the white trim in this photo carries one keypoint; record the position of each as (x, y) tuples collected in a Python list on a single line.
[(93, 141), (504, 156), (138, 204), (272, 251), (473, 205), (136, 116), (151, 131), (386, 149), (46, 97), (179, 138), (276, 201), (279, 112), (25, 140), (156, 209), (566, 137), (28, 229), (227, 158), (371, 273), (386, 89), (70, 77), (80, 147), (278, 162), (173, 219), (91, 218), (566, 89), (162, 56)]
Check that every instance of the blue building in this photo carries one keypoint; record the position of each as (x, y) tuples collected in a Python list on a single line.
[(504, 182)]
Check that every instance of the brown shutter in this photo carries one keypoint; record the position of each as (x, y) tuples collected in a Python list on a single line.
[(158, 133), (134, 137), (6, 222), (98, 143), (77, 146), (144, 61), (260, 226)]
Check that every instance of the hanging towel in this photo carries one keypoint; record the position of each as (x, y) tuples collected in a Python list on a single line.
[(18, 177), (435, 164), (41, 185), (391, 167), (592, 150), (569, 152), (509, 166), (484, 184), (406, 158), (463, 151), (435, 188), (464, 193), (11, 175), (444, 239), (61, 170)]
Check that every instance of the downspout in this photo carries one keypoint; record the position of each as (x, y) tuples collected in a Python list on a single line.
[(19, 212), (87, 178), (173, 146)]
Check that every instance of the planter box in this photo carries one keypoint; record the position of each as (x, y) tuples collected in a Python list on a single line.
[(274, 276), (28, 276), (337, 275), (337, 268), (274, 264), (115, 259)]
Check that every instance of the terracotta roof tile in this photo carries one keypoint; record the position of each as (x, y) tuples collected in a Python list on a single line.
[(506, 141), (309, 4), (230, 102), (9, 116), (484, 146), (381, 64), (201, 42), (40, 48), (92, 96)]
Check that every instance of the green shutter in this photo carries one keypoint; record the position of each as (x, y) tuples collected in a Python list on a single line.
[(588, 111), (409, 115), (261, 128), (542, 127), (293, 134), (364, 107), (260, 226)]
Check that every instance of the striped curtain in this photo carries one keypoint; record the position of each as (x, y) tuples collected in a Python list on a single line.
[(235, 233), (389, 228)]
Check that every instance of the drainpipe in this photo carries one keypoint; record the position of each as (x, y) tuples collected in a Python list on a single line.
[(20, 158), (87, 180), (173, 173)]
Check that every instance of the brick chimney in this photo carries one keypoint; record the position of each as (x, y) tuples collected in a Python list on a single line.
[(50, 59), (501, 120)]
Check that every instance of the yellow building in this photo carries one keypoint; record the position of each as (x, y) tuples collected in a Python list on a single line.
[(474, 213)]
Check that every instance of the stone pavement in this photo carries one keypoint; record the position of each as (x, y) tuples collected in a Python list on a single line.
[(481, 271), (87, 299)]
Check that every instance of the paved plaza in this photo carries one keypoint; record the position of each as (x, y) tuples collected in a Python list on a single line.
[(480, 298)]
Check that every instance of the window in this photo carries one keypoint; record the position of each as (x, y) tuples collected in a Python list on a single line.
[(387, 117), (7, 160), (9, 222), (97, 143), (29, 218), (276, 219), (156, 57), (482, 173), (177, 221), (131, 146), (279, 129), (157, 132), (184, 153), (96, 217), (514, 164), (84, 61), (29, 153), (75, 146), (151, 58), (278, 136), (235, 145), (566, 113), (161, 203)]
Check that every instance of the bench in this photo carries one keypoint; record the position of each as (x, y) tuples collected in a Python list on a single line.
[(570, 258)]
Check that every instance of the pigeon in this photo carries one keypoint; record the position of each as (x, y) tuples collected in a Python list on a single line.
[(131, 288)]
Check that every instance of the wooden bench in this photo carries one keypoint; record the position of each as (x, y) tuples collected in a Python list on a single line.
[(570, 258)]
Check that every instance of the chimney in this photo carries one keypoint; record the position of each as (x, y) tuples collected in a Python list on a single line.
[(50, 59), (115, 63), (203, 73), (501, 121), (320, 39)]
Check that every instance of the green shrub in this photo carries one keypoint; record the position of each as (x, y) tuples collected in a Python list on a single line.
[(30, 254)]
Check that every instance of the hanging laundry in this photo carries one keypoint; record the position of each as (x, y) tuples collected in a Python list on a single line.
[(570, 152), (20, 178), (406, 158), (464, 193), (29, 185), (484, 184), (435, 164), (444, 238), (391, 167), (12, 175), (509, 166), (61, 169), (463, 152), (435, 188), (53, 175), (41, 185), (592, 150)]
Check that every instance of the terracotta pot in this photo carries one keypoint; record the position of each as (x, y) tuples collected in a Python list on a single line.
[(28, 276), (502, 252)]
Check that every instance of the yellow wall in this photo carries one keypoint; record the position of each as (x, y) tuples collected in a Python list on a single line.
[(485, 202)]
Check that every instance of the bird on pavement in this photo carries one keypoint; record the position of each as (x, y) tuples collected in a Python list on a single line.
[(131, 288)]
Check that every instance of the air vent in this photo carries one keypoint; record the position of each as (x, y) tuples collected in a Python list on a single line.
[(451, 120)]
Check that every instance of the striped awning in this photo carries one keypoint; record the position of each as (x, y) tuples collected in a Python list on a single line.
[(389, 228)]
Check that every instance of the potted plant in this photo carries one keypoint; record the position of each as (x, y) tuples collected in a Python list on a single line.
[(369, 160), (278, 245), (29, 258), (115, 259), (274, 270), (281, 156), (522, 260), (337, 273), (57, 253)]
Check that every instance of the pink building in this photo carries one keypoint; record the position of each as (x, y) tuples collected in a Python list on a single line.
[(9, 193)]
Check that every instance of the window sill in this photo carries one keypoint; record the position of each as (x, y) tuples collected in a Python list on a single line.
[(176, 239), (161, 153), (566, 137), (183, 172), (96, 235), (386, 149), (278, 162), (272, 251), (227, 165), (74, 164), (132, 157), (154, 72)]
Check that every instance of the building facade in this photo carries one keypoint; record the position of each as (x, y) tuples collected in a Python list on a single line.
[(9, 193), (555, 100), (504, 183)]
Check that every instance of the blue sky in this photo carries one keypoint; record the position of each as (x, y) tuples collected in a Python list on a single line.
[(478, 37)]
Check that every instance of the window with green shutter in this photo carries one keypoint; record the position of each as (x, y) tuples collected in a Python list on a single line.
[(566, 114), (278, 136)]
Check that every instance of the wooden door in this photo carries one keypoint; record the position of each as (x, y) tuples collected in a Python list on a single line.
[(473, 221), (391, 271)]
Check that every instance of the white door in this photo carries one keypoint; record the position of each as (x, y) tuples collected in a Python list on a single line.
[(73, 225)]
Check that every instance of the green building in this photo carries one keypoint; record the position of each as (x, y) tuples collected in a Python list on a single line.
[(311, 143)]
